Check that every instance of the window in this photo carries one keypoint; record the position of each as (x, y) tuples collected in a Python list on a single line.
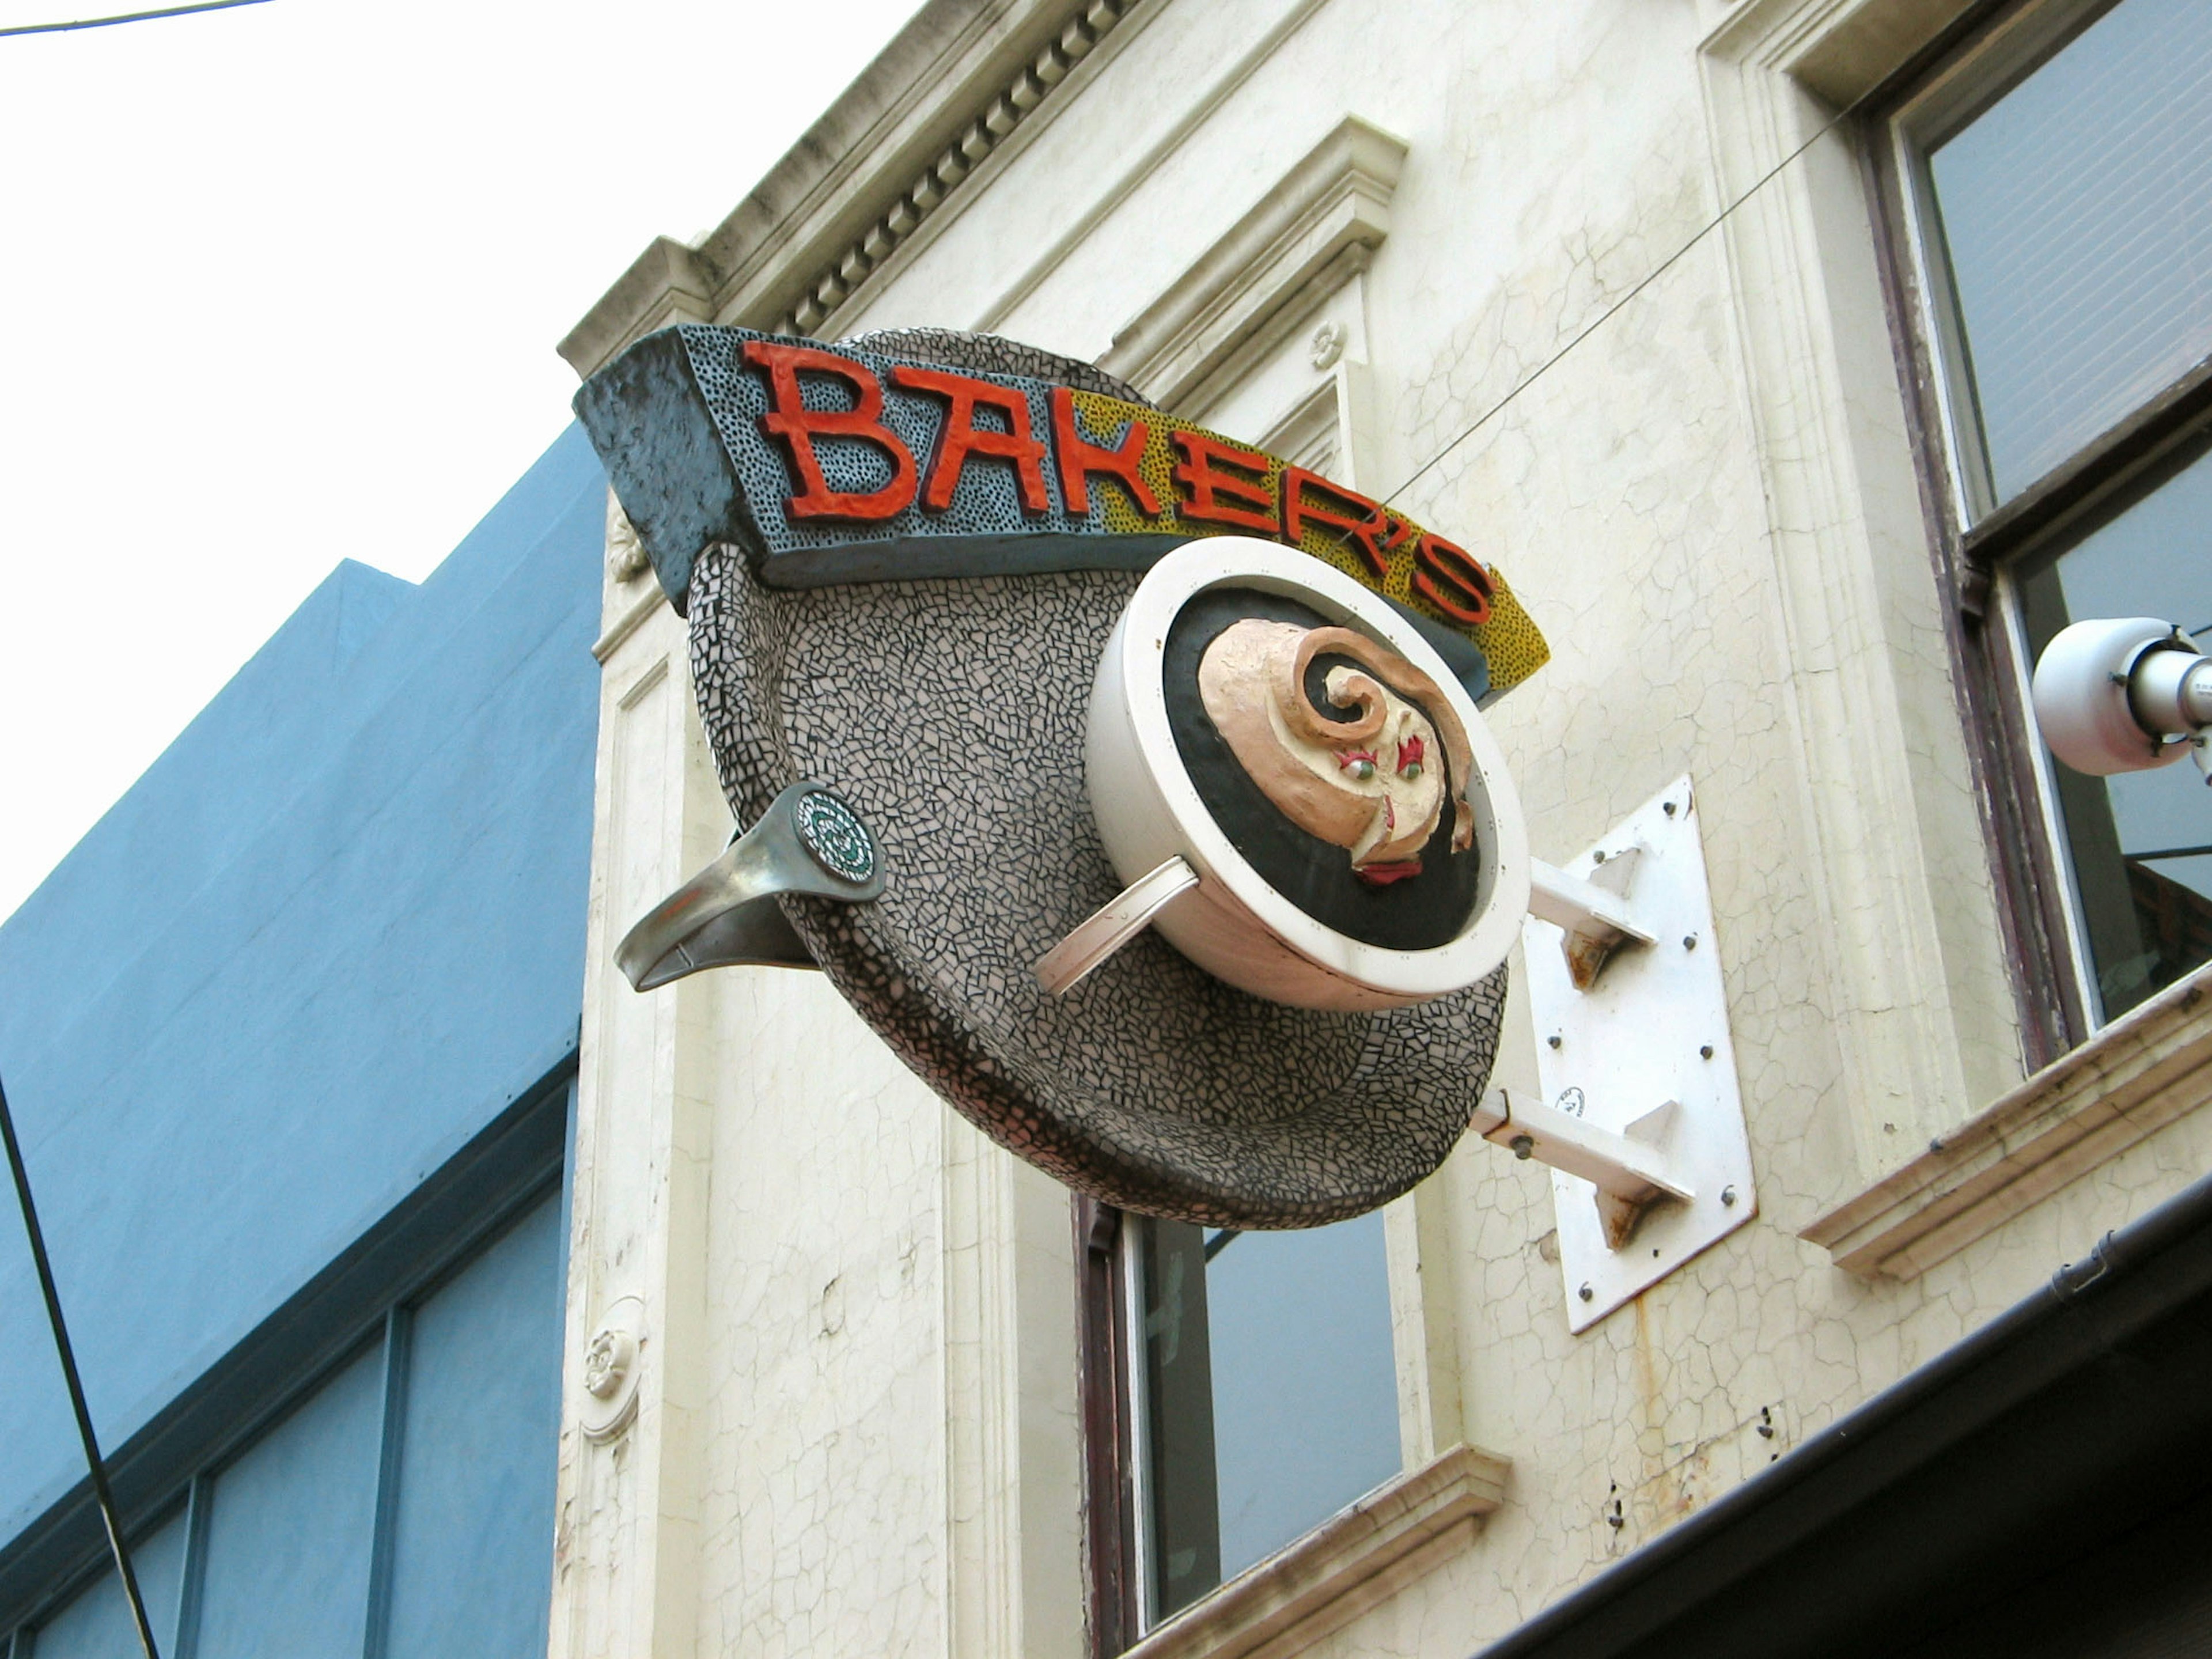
[(400, 1502), (2048, 185), (1256, 1395)]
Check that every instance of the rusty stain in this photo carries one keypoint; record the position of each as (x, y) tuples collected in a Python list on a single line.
[(1586, 954)]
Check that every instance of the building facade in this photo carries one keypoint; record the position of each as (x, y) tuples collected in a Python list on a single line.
[(290, 1040), (1804, 364)]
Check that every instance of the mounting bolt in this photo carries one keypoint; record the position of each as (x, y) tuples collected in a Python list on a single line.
[(1598, 857), (1689, 941), (1587, 1294), (1554, 1039), (1728, 1198), (1705, 1051), (1524, 1147), (1668, 807)]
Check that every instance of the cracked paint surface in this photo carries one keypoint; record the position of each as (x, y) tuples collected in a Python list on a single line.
[(821, 1449)]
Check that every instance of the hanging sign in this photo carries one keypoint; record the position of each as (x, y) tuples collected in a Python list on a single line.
[(1058, 666)]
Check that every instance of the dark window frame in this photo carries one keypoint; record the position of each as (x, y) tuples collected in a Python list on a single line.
[(365, 1297), (1114, 1618), (2110, 472)]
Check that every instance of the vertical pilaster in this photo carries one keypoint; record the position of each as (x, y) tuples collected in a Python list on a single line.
[(626, 1564), (1013, 1560)]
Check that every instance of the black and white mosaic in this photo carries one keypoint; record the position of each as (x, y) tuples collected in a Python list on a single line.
[(951, 714)]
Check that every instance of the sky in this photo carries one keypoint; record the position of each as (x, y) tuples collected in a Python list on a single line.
[(281, 286)]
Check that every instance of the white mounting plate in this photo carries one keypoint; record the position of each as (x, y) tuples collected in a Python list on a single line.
[(1631, 1042)]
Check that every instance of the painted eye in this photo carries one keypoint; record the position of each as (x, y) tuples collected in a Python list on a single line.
[(1410, 770), (1358, 765), (1410, 755), (1362, 770)]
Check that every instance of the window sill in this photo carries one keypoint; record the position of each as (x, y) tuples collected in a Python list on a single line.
[(1353, 1561), (2152, 1065)]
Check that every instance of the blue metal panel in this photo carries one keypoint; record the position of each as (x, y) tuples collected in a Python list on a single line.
[(472, 1530), (97, 1623), (324, 941), (289, 1529)]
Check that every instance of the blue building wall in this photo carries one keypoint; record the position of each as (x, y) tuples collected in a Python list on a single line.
[(329, 936)]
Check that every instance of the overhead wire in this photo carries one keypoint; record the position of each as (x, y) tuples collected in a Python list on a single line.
[(126, 17), (101, 1491), (1614, 309)]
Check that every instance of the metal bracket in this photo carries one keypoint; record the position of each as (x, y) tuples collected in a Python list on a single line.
[(1642, 1118), (807, 842), (1595, 915), (1633, 1169)]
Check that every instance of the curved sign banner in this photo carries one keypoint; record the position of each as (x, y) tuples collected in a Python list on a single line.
[(914, 567), (848, 465)]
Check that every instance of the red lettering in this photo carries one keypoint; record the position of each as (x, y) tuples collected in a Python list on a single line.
[(960, 437), (1216, 496), (798, 427), (1362, 531), (1080, 458), (1438, 566)]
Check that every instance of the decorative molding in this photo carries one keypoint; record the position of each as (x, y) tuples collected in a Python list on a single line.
[(608, 1379), (1417, 1234), (946, 94), (1356, 1559), (2140, 1073), (1012, 1453), (626, 554), (632, 619), (1076, 232), (667, 283), (1326, 345), (1315, 229), (1921, 1006), (838, 278)]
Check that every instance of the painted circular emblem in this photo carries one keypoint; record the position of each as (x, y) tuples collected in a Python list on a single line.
[(838, 841), (1299, 745)]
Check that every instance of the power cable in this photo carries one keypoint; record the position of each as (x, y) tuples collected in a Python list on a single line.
[(126, 17), (1607, 314), (99, 1488)]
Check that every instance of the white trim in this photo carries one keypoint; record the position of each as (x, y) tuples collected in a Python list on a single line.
[(1923, 1016), (1130, 1244), (1356, 1559), (2147, 1069), (1194, 115), (1310, 233)]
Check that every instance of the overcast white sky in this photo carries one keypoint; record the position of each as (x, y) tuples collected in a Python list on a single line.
[(281, 286)]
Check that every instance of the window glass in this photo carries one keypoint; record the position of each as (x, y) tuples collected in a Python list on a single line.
[(2077, 214), (2145, 896), (97, 1624), (1271, 1395), (289, 1526), (472, 1530)]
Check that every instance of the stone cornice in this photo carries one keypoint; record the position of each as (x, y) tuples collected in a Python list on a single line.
[(1350, 1563), (1315, 227), (952, 85), (2146, 1069)]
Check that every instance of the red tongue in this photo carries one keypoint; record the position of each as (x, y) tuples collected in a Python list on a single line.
[(1382, 875)]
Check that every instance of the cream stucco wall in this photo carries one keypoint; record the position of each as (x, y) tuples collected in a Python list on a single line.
[(857, 1427)]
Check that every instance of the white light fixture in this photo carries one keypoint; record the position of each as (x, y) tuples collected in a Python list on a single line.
[(2124, 694)]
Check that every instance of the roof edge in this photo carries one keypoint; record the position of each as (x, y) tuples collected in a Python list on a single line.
[(916, 123)]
